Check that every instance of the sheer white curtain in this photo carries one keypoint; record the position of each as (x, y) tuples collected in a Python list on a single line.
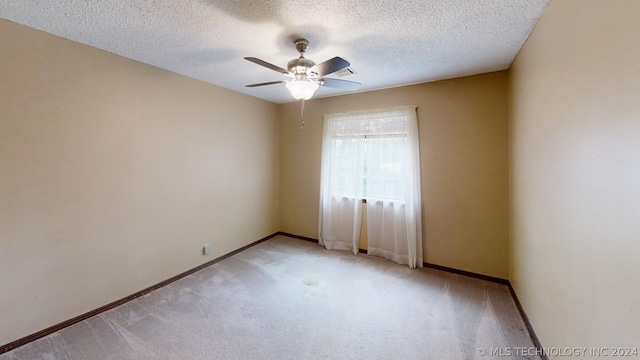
[(394, 218), (372, 155), (341, 186)]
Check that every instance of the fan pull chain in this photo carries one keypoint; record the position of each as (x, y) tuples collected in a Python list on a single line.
[(302, 114)]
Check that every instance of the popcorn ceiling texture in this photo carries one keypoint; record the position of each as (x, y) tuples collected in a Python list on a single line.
[(389, 42)]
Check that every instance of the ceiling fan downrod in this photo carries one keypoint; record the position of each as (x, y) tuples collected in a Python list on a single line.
[(302, 45)]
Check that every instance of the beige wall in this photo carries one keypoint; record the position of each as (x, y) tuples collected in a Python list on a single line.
[(575, 179), (464, 158), (113, 174)]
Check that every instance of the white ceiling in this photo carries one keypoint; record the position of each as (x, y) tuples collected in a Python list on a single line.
[(388, 42)]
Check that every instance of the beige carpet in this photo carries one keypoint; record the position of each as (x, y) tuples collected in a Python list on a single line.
[(291, 299)]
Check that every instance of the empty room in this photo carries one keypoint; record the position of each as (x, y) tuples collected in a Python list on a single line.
[(285, 179)]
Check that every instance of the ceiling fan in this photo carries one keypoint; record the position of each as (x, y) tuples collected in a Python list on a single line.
[(305, 76)]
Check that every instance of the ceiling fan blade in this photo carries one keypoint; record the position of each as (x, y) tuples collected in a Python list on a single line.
[(266, 83), (340, 84), (267, 65), (330, 66)]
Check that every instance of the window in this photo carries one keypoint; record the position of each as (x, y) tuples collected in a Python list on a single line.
[(372, 155), (369, 154)]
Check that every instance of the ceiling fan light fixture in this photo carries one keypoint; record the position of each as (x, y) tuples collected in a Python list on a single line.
[(305, 76), (302, 89)]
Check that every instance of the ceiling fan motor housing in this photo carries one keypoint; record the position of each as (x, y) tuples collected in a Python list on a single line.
[(300, 66)]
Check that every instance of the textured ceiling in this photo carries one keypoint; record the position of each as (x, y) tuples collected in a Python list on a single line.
[(388, 42)]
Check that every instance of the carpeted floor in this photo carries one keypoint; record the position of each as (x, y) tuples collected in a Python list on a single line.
[(291, 299)]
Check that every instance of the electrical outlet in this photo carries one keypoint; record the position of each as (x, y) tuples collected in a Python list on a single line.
[(206, 250)]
